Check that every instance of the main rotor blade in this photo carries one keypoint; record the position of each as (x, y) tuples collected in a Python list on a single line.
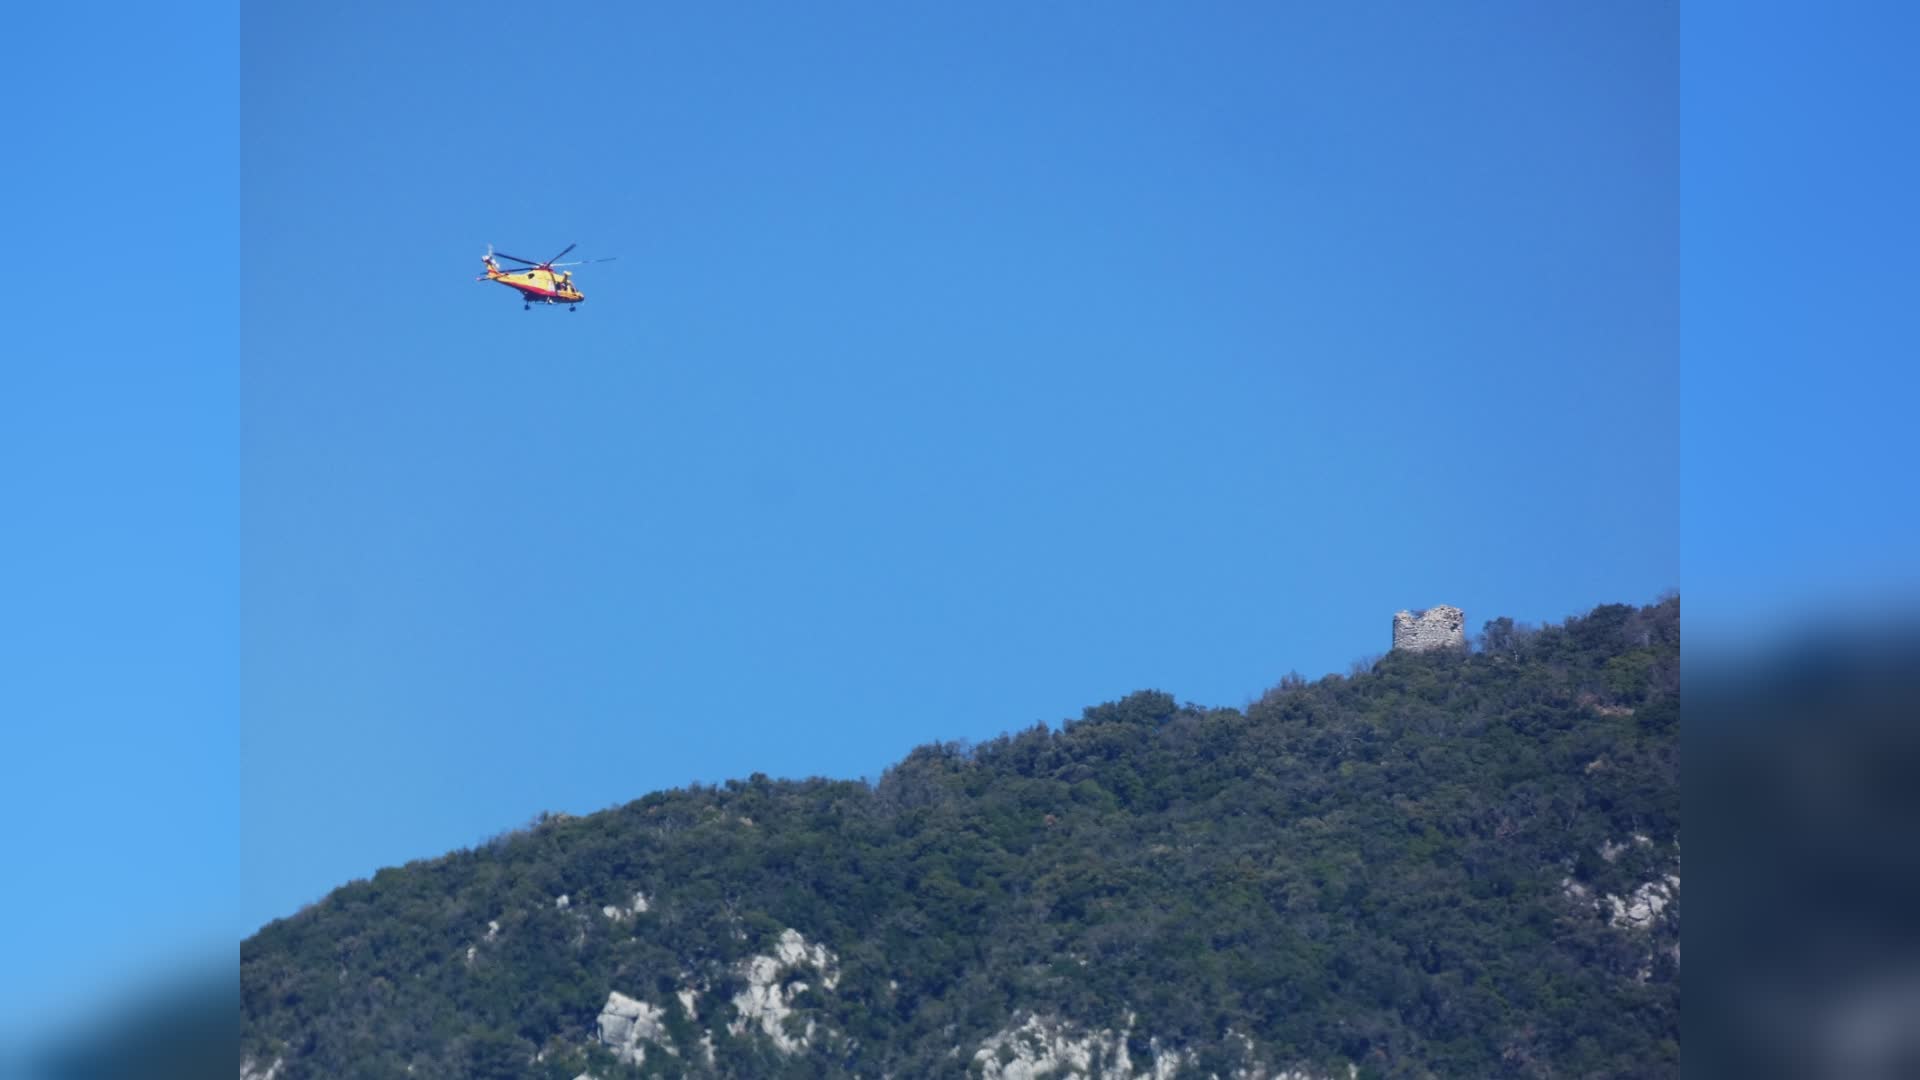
[(584, 262), (562, 255), (515, 258)]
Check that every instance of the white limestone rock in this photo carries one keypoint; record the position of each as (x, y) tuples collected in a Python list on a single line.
[(1611, 851), (1048, 1047), (767, 1002), (1644, 912), (637, 906), (249, 1070), (626, 1024), (1639, 910), (794, 952), (473, 951)]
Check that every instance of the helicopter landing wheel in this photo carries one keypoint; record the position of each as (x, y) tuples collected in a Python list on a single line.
[(526, 307)]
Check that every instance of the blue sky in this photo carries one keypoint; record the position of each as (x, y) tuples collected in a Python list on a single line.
[(960, 369), (1800, 279), (119, 476)]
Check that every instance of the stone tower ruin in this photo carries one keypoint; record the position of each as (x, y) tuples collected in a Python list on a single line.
[(1442, 627)]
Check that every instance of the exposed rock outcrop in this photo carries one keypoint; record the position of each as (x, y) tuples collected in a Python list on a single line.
[(1048, 1047), (639, 906), (1639, 910), (1648, 913), (626, 1024), (767, 1001), (1045, 1047)]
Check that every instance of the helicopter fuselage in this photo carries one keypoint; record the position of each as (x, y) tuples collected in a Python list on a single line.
[(536, 285)]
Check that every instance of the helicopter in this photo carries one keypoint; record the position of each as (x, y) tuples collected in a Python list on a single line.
[(543, 282)]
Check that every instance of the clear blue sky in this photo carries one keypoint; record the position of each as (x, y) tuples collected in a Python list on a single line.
[(1800, 245), (960, 368), (119, 504)]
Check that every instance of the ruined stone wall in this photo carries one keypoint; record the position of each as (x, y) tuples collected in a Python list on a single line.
[(1442, 627)]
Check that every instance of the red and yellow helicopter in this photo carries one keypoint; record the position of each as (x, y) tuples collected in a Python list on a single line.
[(539, 283)]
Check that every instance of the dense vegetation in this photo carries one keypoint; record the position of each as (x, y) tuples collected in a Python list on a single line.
[(1369, 869)]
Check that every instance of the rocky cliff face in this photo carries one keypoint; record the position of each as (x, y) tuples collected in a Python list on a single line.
[(1036, 1046), (1442, 627), (770, 1007)]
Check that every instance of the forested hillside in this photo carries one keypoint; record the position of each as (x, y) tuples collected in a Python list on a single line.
[(1454, 864)]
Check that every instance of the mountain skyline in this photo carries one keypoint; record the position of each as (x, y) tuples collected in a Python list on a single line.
[(1455, 863), (745, 763)]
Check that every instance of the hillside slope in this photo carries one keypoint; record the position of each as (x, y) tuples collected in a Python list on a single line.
[(1452, 865)]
